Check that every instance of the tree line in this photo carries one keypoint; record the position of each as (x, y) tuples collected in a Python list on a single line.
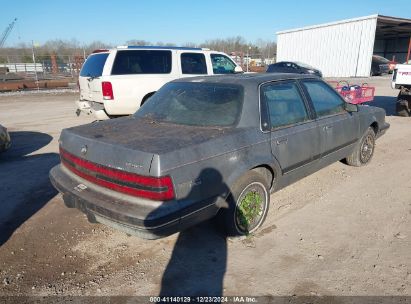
[(23, 51)]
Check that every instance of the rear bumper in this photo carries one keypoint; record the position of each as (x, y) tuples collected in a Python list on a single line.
[(5, 141), (91, 108), (132, 217)]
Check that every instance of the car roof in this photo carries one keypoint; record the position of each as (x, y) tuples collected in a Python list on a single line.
[(243, 79)]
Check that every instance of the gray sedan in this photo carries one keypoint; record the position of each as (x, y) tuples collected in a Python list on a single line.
[(209, 146)]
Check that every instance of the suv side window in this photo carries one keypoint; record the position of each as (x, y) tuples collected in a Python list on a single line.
[(325, 100), (193, 63), (285, 104), (142, 62), (222, 64)]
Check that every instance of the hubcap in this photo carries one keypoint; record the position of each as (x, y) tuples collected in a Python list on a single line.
[(367, 149), (250, 208)]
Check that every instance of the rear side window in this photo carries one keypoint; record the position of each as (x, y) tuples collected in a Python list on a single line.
[(285, 104), (142, 62), (221, 64), (193, 63), (325, 100), (93, 67)]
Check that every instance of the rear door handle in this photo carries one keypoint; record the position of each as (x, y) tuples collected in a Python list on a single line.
[(282, 141), (328, 128)]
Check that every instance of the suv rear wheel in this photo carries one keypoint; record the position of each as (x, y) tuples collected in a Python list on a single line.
[(403, 106), (146, 97)]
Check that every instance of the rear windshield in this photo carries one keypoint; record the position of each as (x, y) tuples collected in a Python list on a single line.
[(272, 67), (380, 59), (304, 65), (93, 67), (142, 62), (195, 104)]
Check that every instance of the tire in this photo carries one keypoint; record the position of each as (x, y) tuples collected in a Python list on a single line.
[(146, 97), (364, 150), (248, 205), (402, 109)]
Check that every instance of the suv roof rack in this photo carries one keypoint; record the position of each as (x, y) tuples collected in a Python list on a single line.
[(161, 47)]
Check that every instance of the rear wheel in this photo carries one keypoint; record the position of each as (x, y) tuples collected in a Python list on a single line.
[(146, 97), (248, 205), (364, 151), (402, 109)]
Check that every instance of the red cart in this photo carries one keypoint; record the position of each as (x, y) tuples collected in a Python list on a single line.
[(355, 94)]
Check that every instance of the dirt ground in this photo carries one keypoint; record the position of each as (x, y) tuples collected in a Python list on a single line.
[(340, 231)]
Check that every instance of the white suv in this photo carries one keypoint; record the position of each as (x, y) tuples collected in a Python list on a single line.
[(117, 82)]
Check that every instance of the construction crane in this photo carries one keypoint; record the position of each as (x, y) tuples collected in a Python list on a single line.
[(6, 32)]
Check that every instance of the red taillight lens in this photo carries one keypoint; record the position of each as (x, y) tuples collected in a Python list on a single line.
[(107, 89), (154, 188)]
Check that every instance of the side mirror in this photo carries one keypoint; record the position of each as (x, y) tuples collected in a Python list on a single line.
[(238, 69), (351, 107)]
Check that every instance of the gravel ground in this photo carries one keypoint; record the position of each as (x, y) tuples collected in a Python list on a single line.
[(341, 231)]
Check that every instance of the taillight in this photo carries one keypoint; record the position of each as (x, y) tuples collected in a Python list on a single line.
[(154, 188), (107, 89)]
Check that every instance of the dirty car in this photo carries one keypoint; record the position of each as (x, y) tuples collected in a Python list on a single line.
[(5, 141), (208, 146)]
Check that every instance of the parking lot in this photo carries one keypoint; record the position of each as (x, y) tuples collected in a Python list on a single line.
[(340, 231)]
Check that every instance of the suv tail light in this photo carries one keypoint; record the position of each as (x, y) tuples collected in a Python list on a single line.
[(107, 89), (153, 188)]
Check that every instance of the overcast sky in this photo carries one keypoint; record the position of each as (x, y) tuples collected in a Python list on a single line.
[(177, 21)]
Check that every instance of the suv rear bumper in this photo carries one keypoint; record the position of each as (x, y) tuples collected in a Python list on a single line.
[(91, 108), (131, 218)]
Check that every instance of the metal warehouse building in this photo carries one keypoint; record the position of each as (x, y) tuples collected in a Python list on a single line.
[(345, 48)]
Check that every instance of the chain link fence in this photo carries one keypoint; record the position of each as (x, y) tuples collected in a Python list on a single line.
[(44, 67), (252, 62), (58, 66)]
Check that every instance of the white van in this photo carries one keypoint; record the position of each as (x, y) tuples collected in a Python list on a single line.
[(117, 82)]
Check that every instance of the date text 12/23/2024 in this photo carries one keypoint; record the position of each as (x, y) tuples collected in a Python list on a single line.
[(199, 299)]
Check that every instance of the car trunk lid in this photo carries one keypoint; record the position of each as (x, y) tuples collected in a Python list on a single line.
[(130, 143), (90, 89), (111, 153)]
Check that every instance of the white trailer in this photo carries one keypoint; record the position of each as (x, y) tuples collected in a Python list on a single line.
[(401, 79)]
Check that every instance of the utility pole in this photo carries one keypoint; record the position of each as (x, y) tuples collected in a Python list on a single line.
[(248, 57), (35, 65)]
